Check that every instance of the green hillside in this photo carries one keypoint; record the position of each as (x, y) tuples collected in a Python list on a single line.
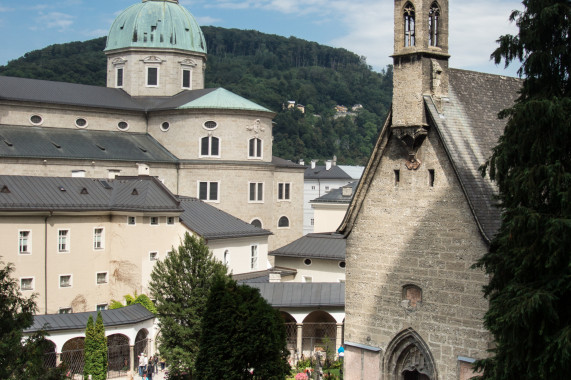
[(269, 70)]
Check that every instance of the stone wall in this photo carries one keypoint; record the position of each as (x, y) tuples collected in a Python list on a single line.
[(411, 234)]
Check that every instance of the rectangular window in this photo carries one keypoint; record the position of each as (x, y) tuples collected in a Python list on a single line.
[(102, 277), (154, 220), (254, 257), (256, 192), (283, 191), (63, 241), (65, 281), (208, 191), (312, 221), (431, 177), (186, 79), (27, 283), (119, 77), (326, 189), (24, 242), (153, 256), (210, 146), (397, 177), (78, 173), (170, 220), (131, 220), (255, 148), (98, 238), (101, 307), (152, 76), (64, 310)]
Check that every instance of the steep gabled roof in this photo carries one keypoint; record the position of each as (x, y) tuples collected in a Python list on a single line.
[(469, 128), (62, 143), (299, 294), (329, 246), (77, 321), (142, 194), (212, 223)]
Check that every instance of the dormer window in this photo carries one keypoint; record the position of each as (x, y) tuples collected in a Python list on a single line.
[(409, 34), (433, 20)]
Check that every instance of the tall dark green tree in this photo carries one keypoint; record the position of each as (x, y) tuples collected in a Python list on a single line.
[(243, 337), (180, 286), (95, 349), (529, 259), (20, 358)]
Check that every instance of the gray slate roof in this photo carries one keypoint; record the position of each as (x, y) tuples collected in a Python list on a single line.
[(77, 321), (282, 163), (26, 193), (300, 294), (72, 94), (470, 129), (336, 195), (43, 91), (62, 143), (212, 223), (320, 172), (329, 246)]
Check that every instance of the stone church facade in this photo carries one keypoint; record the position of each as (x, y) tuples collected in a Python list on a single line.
[(155, 118), (422, 214)]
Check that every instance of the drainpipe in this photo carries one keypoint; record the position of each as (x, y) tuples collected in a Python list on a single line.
[(46, 262)]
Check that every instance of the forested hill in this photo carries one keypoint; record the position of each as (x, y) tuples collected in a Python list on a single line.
[(269, 70)]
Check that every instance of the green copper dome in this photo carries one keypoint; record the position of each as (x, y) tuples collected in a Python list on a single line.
[(156, 24)]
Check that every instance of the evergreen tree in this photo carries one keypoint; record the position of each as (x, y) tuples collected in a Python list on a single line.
[(180, 285), (529, 259), (20, 358), (95, 349), (243, 337)]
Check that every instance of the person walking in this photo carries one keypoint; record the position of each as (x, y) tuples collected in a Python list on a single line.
[(150, 370), (141, 364)]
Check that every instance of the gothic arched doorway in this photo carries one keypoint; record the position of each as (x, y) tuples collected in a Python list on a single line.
[(408, 358)]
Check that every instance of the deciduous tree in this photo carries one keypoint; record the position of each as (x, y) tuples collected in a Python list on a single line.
[(529, 259), (180, 286)]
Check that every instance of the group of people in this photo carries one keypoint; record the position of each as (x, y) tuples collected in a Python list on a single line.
[(148, 366)]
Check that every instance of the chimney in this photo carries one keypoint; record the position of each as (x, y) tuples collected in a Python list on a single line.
[(347, 191), (328, 164), (302, 162), (313, 163), (334, 160)]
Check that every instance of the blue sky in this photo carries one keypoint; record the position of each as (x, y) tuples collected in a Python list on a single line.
[(364, 27)]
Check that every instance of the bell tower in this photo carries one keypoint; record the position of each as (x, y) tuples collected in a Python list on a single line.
[(420, 61)]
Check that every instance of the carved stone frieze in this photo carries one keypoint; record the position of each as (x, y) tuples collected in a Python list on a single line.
[(153, 59), (188, 62), (257, 127), (118, 61)]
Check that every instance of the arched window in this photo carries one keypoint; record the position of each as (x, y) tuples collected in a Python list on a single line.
[(409, 25), (210, 146), (255, 148), (412, 294), (283, 222), (257, 223), (433, 20)]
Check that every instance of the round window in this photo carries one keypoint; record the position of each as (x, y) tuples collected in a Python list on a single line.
[(36, 119), (165, 126), (307, 262), (341, 264), (123, 125), (210, 124), (81, 122)]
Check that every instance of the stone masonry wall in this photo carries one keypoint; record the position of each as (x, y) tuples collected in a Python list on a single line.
[(412, 233)]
